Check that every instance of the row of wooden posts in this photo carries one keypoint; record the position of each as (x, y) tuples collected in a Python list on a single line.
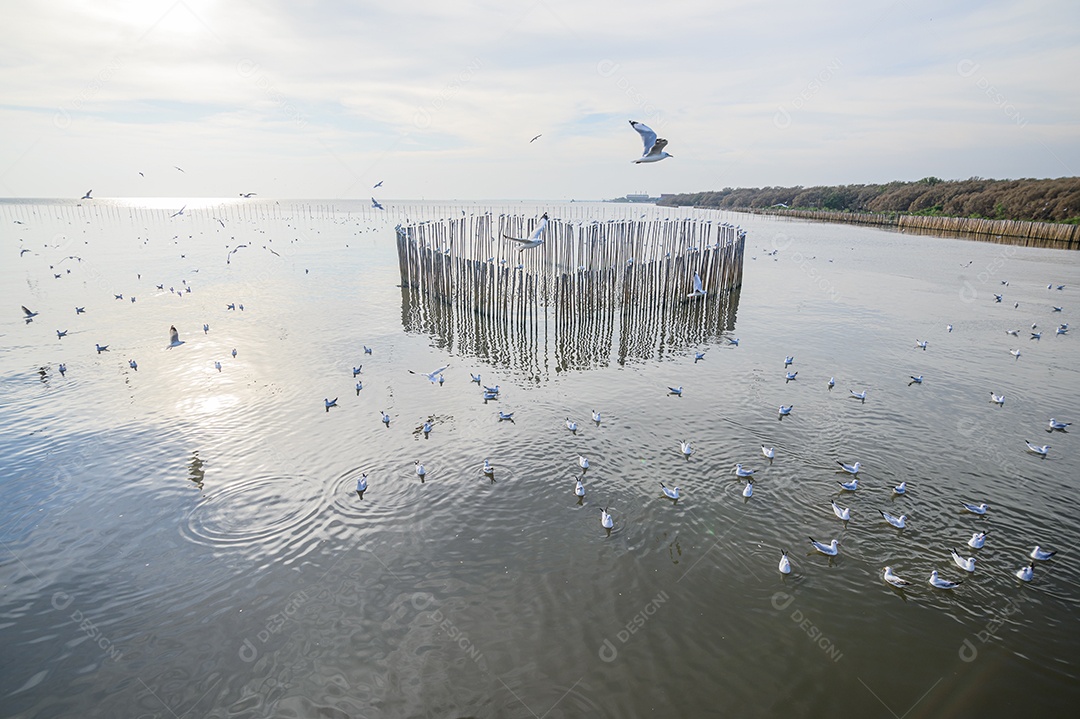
[(592, 293), (1051, 232)]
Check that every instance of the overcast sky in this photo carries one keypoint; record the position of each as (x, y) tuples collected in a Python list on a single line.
[(320, 99)]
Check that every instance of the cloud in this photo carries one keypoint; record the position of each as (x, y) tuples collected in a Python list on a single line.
[(444, 97)]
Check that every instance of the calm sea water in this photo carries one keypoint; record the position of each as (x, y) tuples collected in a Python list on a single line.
[(180, 541)]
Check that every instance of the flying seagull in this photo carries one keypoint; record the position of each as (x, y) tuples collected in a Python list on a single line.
[(181, 210), (433, 377), (376, 205), (534, 239), (535, 138), (247, 194), (377, 184), (654, 146), (87, 195)]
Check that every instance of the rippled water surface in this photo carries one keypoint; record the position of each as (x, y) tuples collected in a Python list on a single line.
[(183, 541)]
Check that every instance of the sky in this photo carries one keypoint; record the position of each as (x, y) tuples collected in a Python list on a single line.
[(312, 99)]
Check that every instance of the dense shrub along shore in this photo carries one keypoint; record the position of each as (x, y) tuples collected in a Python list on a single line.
[(1047, 200)]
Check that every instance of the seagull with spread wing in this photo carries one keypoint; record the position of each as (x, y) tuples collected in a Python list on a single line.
[(654, 146), (534, 239)]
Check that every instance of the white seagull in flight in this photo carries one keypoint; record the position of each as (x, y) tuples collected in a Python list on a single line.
[(534, 239), (433, 377), (654, 146)]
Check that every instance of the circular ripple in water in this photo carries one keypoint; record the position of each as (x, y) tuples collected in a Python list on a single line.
[(269, 511)]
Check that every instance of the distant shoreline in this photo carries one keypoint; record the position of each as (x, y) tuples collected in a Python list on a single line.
[(1057, 232)]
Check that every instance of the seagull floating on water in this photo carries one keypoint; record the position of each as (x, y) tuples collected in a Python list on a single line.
[(831, 549), (29, 314), (1059, 426), (61, 333), (101, 348), (327, 402), (133, 365), (426, 428), (583, 462), (359, 386), (940, 583), (698, 356), (858, 395), (898, 522), (385, 418), (832, 382), (357, 370), (571, 425), (850, 468), (361, 485), (915, 380), (506, 415), (968, 565), (62, 368), (1041, 554), (675, 390), (791, 376), (687, 450), (788, 360), (785, 563), (851, 486), (488, 469), (654, 146), (419, 469), (748, 490), (1025, 574), (920, 345), (1015, 353), (741, 471), (579, 488), (976, 508), (733, 341), (978, 539), (596, 416), (998, 399), (785, 411), (605, 519), (1040, 450), (900, 488), (78, 310), (843, 513), (768, 452), (891, 577), (670, 493)]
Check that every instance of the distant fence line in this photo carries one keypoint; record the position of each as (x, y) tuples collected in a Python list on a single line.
[(1026, 229), (592, 292)]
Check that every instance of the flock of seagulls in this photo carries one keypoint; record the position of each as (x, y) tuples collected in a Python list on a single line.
[(654, 152)]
